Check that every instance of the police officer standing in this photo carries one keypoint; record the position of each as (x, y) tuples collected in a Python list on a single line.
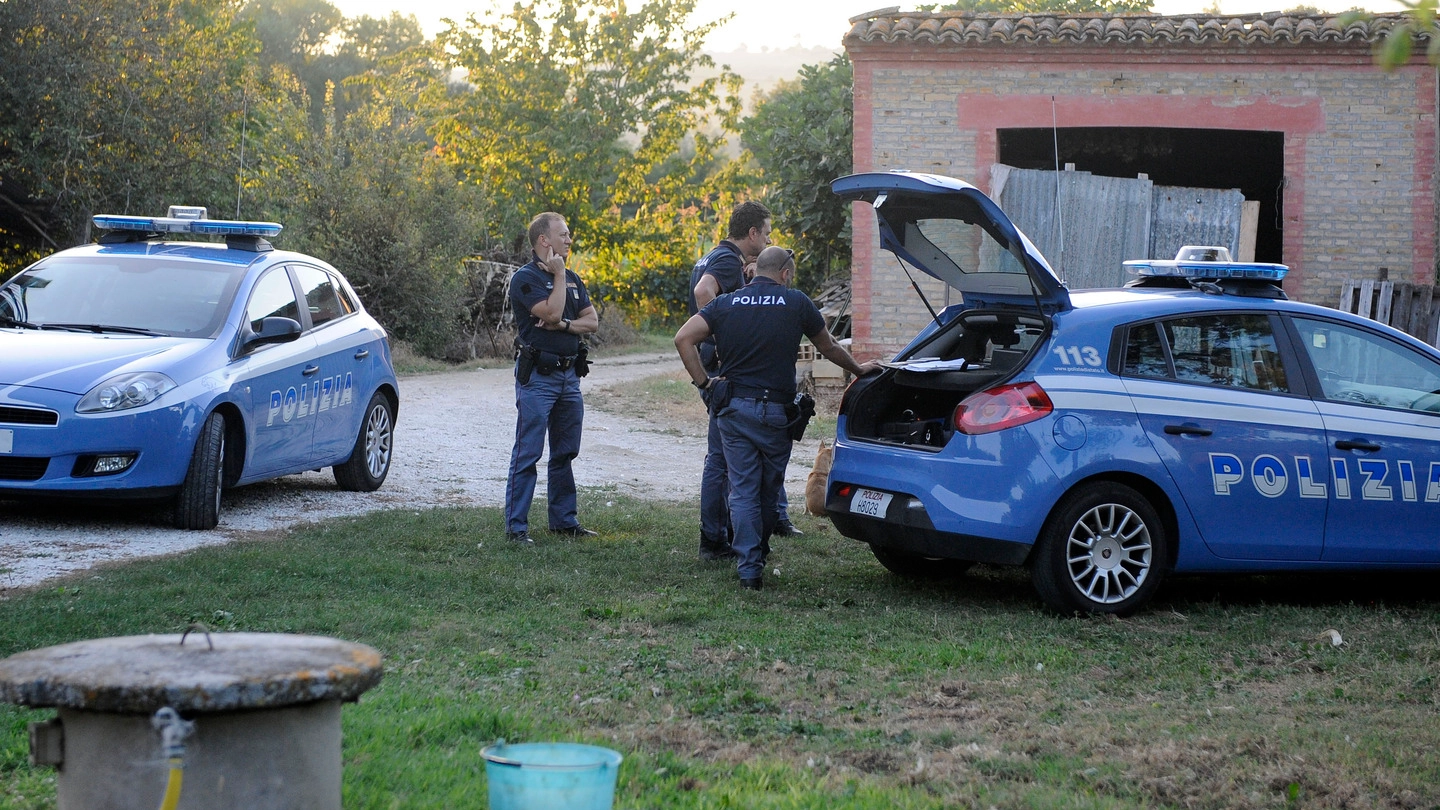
[(757, 332), (723, 270), (552, 311)]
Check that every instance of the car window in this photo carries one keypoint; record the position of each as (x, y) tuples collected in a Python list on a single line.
[(273, 297), (1232, 350), (180, 299), (1355, 365), (322, 296)]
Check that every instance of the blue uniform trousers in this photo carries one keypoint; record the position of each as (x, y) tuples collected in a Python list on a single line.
[(714, 492), (757, 450), (548, 404)]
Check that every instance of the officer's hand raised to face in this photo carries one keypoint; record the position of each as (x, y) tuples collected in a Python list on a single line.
[(554, 262)]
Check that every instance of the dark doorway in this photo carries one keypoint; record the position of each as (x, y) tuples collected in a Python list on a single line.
[(1253, 162)]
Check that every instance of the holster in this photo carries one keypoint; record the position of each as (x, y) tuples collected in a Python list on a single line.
[(582, 360), (799, 413), (524, 363)]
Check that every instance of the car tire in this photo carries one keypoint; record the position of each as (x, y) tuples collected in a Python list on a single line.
[(1103, 550), (369, 460), (914, 566), (197, 506)]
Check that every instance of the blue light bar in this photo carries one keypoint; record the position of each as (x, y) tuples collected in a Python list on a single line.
[(1252, 271), (223, 227)]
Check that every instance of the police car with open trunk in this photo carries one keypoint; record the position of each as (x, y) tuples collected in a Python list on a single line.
[(1193, 421)]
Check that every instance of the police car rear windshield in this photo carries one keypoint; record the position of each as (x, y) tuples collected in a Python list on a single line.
[(143, 295)]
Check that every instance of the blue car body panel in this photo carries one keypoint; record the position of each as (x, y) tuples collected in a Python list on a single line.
[(1254, 452), (296, 405)]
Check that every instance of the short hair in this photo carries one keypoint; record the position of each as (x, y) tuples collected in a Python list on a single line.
[(772, 261), (747, 215), (542, 224)]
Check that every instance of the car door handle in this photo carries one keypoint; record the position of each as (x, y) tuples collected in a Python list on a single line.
[(1187, 430), (311, 371), (1356, 444), (362, 354)]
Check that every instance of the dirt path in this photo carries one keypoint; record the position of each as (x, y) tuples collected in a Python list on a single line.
[(452, 448)]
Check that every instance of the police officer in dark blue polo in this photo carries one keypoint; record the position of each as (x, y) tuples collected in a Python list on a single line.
[(552, 311), (723, 270), (757, 332)]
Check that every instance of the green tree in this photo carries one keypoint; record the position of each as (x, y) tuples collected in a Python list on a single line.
[(1396, 47), (120, 106), (801, 137), (369, 194), (571, 106)]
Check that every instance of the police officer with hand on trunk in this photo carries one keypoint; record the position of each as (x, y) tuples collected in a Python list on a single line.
[(757, 331), (552, 311)]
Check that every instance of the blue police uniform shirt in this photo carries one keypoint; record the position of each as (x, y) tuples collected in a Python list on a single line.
[(726, 264), (532, 284), (758, 329)]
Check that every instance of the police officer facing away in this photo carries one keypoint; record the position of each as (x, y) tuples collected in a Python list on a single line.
[(723, 270), (552, 310), (757, 331)]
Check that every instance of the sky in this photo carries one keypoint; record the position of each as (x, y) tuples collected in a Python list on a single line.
[(779, 24)]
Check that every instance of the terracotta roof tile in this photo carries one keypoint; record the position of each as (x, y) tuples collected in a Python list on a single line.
[(969, 28)]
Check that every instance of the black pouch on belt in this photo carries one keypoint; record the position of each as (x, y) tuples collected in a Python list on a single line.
[(720, 393), (799, 413)]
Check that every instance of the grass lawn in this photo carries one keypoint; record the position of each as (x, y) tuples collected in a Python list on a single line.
[(837, 686)]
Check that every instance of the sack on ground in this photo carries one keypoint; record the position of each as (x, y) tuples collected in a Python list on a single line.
[(818, 480)]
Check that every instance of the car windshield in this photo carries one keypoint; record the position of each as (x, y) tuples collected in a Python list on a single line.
[(123, 294)]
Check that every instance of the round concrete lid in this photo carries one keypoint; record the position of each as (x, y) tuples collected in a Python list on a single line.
[(140, 674)]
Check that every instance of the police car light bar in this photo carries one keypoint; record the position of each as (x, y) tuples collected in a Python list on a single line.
[(187, 219), (1186, 265)]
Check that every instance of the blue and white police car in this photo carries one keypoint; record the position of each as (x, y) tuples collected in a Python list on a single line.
[(146, 368), (1193, 421)]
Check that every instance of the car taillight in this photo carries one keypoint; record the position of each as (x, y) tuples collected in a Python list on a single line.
[(1002, 407)]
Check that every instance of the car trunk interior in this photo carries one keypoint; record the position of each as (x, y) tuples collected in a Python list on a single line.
[(913, 403)]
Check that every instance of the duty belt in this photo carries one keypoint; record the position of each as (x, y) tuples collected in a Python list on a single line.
[(766, 394)]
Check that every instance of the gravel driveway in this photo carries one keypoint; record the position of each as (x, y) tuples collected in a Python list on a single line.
[(452, 448)]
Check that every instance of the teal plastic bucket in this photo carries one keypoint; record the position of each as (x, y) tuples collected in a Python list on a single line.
[(551, 776)]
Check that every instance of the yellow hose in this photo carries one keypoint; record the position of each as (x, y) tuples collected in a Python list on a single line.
[(172, 785)]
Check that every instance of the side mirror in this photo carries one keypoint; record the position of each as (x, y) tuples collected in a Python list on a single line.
[(272, 330)]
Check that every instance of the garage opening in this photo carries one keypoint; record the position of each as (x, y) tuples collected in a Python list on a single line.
[(1200, 158)]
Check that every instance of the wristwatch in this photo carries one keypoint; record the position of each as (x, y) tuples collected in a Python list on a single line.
[(566, 321), (701, 385)]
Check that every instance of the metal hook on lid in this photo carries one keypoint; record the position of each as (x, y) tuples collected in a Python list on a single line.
[(202, 628)]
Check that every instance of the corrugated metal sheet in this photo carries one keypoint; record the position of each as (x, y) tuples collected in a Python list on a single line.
[(1194, 216), (1105, 220)]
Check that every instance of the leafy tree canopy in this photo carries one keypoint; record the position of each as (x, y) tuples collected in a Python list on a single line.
[(800, 137), (571, 106)]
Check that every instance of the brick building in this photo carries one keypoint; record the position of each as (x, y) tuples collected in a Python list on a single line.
[(1289, 109)]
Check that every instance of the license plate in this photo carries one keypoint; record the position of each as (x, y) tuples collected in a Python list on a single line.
[(7, 441), (870, 502)]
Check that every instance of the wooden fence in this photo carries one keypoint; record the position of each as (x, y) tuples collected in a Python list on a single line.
[(1412, 308)]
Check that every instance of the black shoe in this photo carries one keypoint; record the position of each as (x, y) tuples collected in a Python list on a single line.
[(523, 538), (576, 531), (786, 529), (711, 554), (752, 584)]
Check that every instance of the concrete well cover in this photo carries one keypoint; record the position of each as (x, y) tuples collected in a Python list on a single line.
[(140, 674)]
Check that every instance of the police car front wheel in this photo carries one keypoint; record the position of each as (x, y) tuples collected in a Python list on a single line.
[(1102, 551), (369, 460), (197, 506)]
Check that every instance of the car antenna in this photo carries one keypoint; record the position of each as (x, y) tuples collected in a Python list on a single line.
[(244, 121), (923, 299)]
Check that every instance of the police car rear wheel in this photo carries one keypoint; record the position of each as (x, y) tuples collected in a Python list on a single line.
[(369, 461), (914, 566), (1102, 551), (197, 506)]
